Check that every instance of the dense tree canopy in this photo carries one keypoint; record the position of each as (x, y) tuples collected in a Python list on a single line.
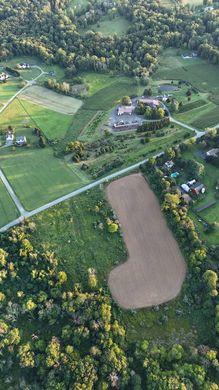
[(51, 29)]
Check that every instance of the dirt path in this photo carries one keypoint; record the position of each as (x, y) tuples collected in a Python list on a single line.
[(155, 269)]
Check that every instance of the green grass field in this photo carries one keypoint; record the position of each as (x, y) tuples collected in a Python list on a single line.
[(38, 177), (22, 112), (8, 89), (79, 3), (8, 210), (118, 25), (201, 75)]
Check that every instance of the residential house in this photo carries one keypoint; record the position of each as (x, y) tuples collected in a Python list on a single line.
[(185, 188), (21, 141), (9, 138), (168, 165), (24, 66), (3, 76), (125, 110), (213, 153)]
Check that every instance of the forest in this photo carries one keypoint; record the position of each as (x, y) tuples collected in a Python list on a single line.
[(56, 334), (51, 29)]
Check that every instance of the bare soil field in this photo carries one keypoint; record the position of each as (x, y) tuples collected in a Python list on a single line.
[(52, 100), (155, 269)]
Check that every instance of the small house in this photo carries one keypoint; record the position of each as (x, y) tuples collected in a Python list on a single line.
[(185, 188), (153, 103), (168, 165), (9, 138), (191, 182), (3, 76), (24, 66), (21, 141), (125, 110), (213, 153), (198, 188)]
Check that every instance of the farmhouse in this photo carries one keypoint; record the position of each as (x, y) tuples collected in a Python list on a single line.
[(3, 76), (24, 66), (153, 103), (213, 153), (21, 141), (168, 165), (9, 138), (125, 110)]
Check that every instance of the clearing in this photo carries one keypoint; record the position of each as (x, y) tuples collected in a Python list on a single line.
[(118, 25), (52, 100), (155, 269)]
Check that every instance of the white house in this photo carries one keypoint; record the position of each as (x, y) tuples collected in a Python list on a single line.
[(21, 141), (9, 138), (3, 76)]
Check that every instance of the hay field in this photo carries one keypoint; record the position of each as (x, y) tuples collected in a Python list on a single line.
[(52, 100), (155, 269)]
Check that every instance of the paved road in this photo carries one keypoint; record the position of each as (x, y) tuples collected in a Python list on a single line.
[(12, 193), (26, 214), (29, 83)]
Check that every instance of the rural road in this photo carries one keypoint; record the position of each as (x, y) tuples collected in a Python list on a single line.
[(29, 83), (28, 214), (12, 193)]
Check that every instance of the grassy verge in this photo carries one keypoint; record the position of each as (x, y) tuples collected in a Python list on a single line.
[(8, 210), (37, 177)]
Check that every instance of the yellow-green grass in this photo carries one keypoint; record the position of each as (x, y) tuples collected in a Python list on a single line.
[(200, 117), (118, 25), (79, 3), (21, 113), (8, 210), (208, 119), (37, 177), (8, 89), (97, 81), (51, 100)]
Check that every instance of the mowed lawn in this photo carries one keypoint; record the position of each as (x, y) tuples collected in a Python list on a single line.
[(8, 89), (22, 112), (38, 177), (29, 74), (8, 210), (202, 75)]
